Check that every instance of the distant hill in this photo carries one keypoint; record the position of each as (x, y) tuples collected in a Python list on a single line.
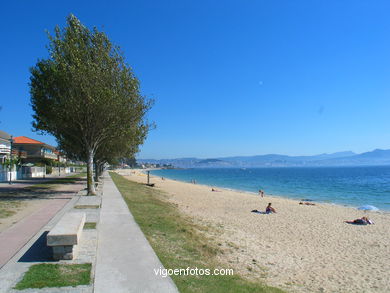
[(375, 157), (348, 158), (212, 163)]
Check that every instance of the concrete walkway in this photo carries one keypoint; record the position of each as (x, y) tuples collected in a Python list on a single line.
[(125, 260)]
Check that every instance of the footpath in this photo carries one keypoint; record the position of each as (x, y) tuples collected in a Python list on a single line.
[(122, 258), (13, 239), (125, 259)]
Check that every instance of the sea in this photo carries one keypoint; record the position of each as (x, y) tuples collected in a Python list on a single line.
[(348, 186)]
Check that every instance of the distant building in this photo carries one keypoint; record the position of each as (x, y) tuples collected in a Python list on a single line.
[(61, 157), (5, 146), (35, 150)]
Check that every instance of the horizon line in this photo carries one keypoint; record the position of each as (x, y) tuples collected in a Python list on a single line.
[(266, 154)]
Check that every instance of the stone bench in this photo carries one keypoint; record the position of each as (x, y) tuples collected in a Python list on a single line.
[(65, 236)]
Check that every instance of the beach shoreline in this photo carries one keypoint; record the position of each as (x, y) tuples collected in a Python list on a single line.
[(268, 195), (299, 249)]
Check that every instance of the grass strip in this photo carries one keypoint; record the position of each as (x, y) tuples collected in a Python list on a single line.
[(55, 275), (89, 225), (178, 242), (87, 206)]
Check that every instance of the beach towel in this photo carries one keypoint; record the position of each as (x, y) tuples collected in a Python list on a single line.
[(257, 212)]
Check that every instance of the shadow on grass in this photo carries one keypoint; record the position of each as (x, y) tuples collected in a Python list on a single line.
[(43, 189), (64, 180)]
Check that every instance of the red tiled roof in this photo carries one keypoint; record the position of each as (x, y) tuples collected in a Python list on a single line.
[(26, 140)]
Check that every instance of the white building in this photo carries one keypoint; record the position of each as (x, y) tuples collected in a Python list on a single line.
[(5, 146)]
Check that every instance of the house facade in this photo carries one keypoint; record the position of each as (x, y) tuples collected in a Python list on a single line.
[(34, 150), (5, 146)]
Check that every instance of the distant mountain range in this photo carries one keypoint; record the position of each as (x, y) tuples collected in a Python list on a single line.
[(348, 158)]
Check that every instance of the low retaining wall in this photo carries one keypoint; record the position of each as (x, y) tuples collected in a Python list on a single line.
[(25, 172)]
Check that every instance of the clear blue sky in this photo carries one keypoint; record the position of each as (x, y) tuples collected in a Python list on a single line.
[(228, 77)]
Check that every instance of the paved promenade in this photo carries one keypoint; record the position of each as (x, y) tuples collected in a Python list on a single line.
[(30, 249), (14, 238), (125, 260)]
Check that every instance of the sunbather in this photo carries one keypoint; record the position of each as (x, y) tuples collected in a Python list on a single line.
[(361, 221), (269, 209), (307, 203)]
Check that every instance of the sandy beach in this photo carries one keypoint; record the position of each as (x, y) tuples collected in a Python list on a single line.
[(300, 248)]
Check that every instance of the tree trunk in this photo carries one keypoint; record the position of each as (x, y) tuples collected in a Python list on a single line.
[(90, 181), (100, 168), (96, 172)]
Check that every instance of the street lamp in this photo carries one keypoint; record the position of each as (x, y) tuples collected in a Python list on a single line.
[(10, 161)]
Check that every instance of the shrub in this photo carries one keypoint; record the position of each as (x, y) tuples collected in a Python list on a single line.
[(49, 169)]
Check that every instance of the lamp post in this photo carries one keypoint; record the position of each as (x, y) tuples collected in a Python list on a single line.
[(10, 161)]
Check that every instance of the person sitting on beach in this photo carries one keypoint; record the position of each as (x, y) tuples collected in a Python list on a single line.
[(308, 203), (269, 209), (361, 221)]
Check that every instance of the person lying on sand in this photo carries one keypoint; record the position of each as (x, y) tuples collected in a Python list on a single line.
[(361, 221), (308, 203), (269, 209), (216, 190)]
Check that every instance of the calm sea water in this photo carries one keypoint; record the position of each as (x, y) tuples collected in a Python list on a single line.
[(352, 186)]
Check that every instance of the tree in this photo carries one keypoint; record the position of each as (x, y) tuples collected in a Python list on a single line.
[(87, 96)]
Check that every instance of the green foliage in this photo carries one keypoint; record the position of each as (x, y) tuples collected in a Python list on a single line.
[(55, 275), (11, 162), (45, 162), (49, 169), (88, 97), (131, 161), (178, 242)]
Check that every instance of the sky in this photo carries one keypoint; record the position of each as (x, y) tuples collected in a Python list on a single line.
[(227, 77)]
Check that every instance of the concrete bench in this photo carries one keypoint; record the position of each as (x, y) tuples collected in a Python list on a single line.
[(65, 236)]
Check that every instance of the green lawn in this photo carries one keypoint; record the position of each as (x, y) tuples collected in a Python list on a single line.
[(178, 242), (55, 275)]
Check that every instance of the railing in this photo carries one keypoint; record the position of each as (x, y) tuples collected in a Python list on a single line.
[(5, 150), (50, 156), (31, 172)]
